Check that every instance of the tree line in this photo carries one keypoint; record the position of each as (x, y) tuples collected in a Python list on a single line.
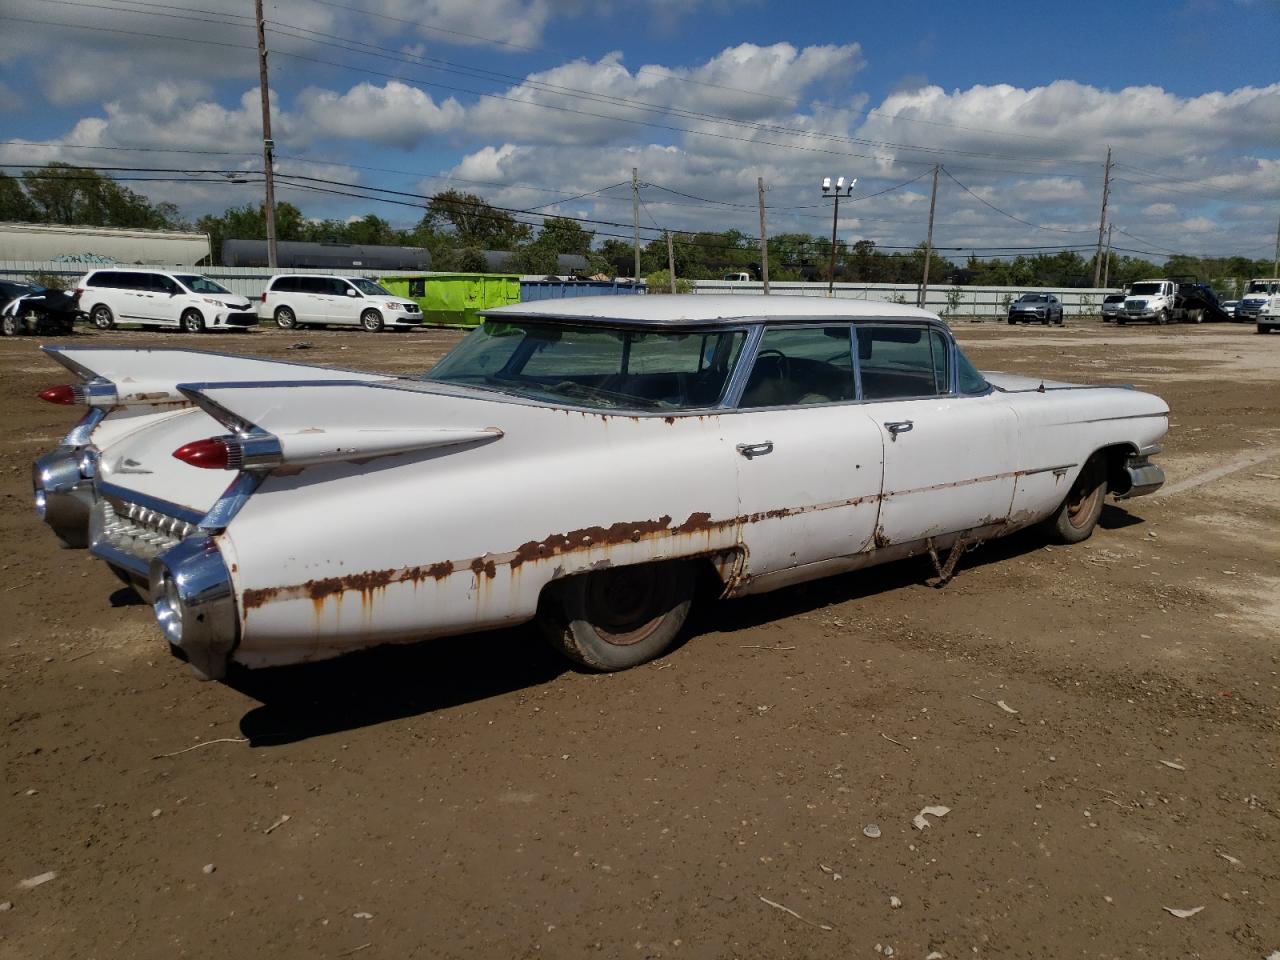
[(456, 227)]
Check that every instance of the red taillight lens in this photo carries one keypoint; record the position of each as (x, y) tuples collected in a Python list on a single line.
[(264, 296), (63, 393), (211, 454)]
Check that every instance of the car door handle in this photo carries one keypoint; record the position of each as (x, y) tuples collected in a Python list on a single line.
[(896, 427), (750, 450)]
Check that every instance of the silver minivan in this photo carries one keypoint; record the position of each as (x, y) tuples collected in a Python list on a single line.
[(294, 300)]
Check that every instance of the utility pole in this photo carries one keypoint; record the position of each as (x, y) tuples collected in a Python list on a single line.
[(1275, 264), (831, 265), (928, 242), (1102, 219), (764, 239), (671, 261), (268, 145), (1106, 269), (635, 213)]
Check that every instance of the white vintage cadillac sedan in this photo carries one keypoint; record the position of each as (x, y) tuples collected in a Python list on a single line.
[(580, 462)]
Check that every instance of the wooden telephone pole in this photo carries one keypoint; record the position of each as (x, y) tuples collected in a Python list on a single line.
[(1102, 220), (635, 215), (928, 242), (268, 145), (764, 239)]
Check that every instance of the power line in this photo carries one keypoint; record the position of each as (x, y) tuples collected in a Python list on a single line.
[(1006, 213), (557, 107)]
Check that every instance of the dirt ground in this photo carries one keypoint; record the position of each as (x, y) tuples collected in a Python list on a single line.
[(476, 797)]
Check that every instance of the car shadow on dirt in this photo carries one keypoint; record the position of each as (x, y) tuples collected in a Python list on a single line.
[(390, 683)]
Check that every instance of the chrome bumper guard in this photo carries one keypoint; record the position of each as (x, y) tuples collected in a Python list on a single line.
[(1141, 476), (63, 493), (195, 605)]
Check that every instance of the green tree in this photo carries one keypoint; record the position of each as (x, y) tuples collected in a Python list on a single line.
[(14, 205), (474, 222), (65, 194)]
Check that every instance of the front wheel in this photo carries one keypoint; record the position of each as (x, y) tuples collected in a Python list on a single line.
[(102, 317), (192, 321), (620, 617), (1162, 317), (371, 320), (1079, 513)]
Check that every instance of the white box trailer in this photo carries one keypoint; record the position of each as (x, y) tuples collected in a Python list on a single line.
[(95, 246)]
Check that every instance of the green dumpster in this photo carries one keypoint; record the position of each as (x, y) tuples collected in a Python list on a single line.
[(455, 299)]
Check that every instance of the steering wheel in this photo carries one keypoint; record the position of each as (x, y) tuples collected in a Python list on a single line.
[(782, 366)]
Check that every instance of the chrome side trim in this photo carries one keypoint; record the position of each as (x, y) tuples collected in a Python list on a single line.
[(229, 504), (82, 432)]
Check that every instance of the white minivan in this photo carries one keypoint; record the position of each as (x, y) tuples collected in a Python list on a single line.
[(310, 299), (160, 298)]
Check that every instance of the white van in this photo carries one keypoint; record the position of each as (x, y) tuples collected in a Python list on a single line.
[(310, 299), (162, 299)]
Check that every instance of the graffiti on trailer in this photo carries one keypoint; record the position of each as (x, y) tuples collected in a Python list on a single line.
[(83, 258)]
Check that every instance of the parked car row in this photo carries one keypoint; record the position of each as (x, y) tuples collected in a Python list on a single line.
[(195, 304)]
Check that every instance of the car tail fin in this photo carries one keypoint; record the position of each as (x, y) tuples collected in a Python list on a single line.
[(307, 423), (115, 377)]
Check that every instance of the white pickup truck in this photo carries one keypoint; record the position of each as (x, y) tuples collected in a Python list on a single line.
[(1260, 302)]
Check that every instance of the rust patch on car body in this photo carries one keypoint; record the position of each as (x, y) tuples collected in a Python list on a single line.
[(485, 566)]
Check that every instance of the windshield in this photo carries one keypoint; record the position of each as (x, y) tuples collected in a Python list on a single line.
[(1261, 286), (197, 284), (593, 367), (1033, 298), (1144, 290), (1115, 298), (369, 288)]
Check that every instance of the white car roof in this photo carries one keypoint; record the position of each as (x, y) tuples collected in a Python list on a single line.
[(698, 310)]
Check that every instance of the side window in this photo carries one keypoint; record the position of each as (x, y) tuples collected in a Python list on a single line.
[(798, 366), (968, 380), (313, 285), (339, 287), (284, 285), (127, 281), (901, 363), (163, 284)]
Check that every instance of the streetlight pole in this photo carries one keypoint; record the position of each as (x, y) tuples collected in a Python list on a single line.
[(836, 191)]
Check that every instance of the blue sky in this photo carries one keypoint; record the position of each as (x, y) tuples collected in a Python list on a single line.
[(1017, 101)]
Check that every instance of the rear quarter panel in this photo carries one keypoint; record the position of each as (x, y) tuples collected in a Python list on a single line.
[(338, 556)]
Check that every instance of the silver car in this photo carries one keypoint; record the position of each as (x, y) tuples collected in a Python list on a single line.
[(1112, 305)]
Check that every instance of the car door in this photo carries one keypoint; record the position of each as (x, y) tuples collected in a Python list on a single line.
[(346, 302), (132, 292), (809, 460), (949, 459), (164, 300)]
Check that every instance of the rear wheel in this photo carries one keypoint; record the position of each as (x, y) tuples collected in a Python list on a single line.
[(286, 319), (619, 617), (371, 320), (192, 321), (1080, 511), (102, 317)]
